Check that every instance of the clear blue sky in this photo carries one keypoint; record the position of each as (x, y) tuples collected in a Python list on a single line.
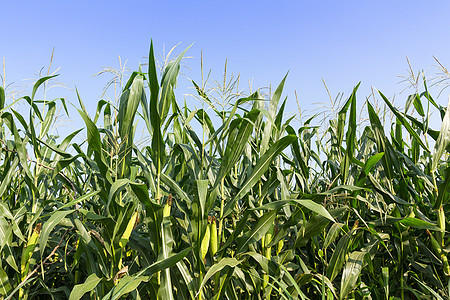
[(342, 42)]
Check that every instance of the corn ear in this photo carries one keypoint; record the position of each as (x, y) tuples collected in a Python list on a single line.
[(268, 240), (126, 235), (441, 223), (213, 245), (434, 243), (265, 280), (280, 246), (355, 225), (167, 206), (267, 250), (205, 242), (280, 243), (445, 264)]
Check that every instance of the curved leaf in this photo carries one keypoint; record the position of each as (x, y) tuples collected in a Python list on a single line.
[(351, 272), (80, 289), (260, 168)]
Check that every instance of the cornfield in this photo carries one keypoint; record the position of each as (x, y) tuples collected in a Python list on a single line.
[(248, 207)]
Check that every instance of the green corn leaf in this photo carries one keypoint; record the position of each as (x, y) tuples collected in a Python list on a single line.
[(266, 264), (126, 285), (338, 258), (152, 78), (80, 289), (224, 262), (2, 98), (309, 204), (339, 188), (45, 127), (167, 244), (38, 84), (409, 101), (147, 168), (19, 286), (129, 283), (351, 272), (301, 159), (271, 117), (65, 143), (82, 232), (158, 147), (314, 225), (340, 126), (188, 279), (116, 188), (63, 163), (168, 82), (22, 121), (55, 148), (430, 99), (419, 124), (5, 244), (257, 232), (350, 137), (236, 144), (236, 232), (4, 211), (35, 109), (372, 161), (418, 105), (93, 138), (5, 182), (19, 143), (5, 285), (332, 234), (49, 225), (430, 291), (100, 105), (405, 123), (385, 275), (129, 102), (383, 144), (419, 224), (260, 168), (176, 188), (75, 201)]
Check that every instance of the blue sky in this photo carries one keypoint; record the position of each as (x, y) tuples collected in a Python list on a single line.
[(341, 42)]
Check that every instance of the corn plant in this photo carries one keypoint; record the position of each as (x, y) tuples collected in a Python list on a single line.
[(237, 203)]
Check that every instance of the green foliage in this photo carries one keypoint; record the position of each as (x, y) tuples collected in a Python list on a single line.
[(255, 209)]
